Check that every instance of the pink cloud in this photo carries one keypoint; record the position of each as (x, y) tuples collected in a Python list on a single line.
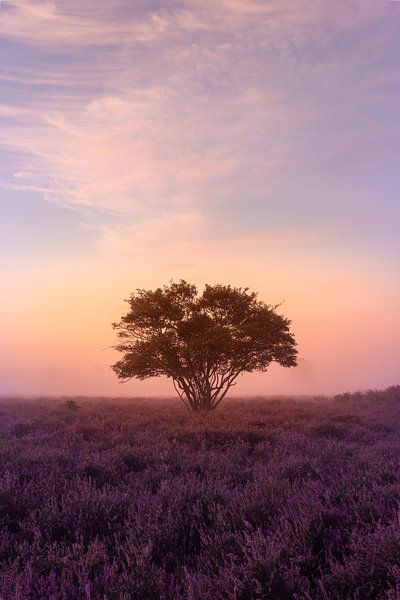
[(56, 24)]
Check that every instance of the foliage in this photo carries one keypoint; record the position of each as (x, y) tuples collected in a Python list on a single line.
[(71, 405), (202, 342), (278, 499)]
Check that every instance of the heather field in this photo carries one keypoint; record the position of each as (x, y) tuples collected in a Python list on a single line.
[(139, 499)]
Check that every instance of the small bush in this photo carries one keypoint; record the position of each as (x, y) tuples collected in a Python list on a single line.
[(71, 405)]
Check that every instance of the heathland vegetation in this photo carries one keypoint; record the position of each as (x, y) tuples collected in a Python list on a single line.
[(263, 499)]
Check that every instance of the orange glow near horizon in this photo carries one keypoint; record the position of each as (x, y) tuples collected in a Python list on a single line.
[(243, 142), (342, 345)]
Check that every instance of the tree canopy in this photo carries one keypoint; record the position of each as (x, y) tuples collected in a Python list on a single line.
[(201, 341)]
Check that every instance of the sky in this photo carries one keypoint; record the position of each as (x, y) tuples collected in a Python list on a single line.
[(246, 142)]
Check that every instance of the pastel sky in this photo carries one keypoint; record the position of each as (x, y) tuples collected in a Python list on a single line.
[(249, 142)]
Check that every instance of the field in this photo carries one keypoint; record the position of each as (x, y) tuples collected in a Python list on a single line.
[(263, 499)]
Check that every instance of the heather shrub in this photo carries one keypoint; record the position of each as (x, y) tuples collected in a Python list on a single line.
[(71, 405), (276, 498)]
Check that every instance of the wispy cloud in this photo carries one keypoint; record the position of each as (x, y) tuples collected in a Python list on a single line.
[(184, 103), (250, 142), (118, 152), (60, 25)]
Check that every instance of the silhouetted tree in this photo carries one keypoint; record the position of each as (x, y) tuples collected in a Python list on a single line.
[(202, 342)]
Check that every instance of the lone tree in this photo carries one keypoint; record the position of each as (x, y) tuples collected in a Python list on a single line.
[(202, 342)]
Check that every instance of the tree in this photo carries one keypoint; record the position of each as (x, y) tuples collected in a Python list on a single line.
[(202, 342)]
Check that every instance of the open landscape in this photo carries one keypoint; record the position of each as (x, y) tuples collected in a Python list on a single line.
[(140, 499), (199, 267)]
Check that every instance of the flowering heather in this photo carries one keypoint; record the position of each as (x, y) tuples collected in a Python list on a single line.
[(139, 499)]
